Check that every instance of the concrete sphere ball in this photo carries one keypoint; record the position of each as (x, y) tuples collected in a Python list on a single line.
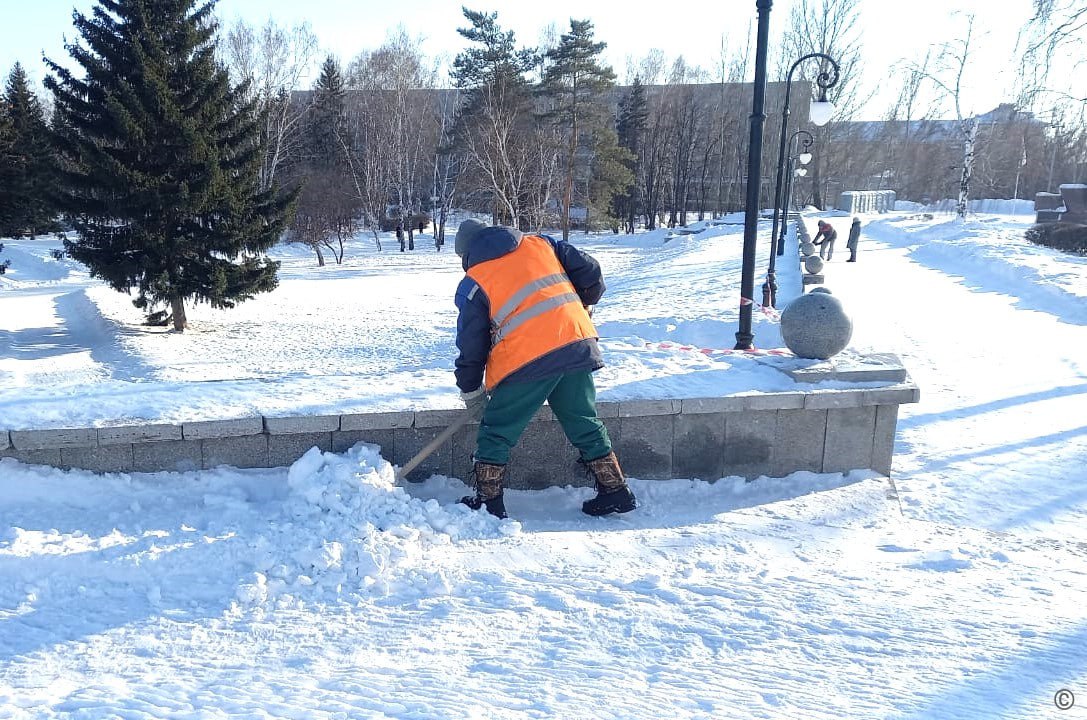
[(822, 289), (807, 248), (815, 326), (813, 264)]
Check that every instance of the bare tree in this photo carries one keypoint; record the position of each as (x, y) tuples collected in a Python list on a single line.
[(947, 76), (272, 60), (399, 75), (829, 27), (1056, 33)]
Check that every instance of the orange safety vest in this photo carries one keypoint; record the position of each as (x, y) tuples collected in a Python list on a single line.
[(534, 307)]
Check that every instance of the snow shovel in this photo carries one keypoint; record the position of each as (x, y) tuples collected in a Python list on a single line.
[(436, 443)]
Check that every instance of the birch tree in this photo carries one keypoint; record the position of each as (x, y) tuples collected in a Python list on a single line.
[(271, 61), (948, 76)]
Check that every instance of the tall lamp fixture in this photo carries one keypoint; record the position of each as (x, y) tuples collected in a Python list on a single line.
[(819, 113), (744, 336), (803, 157)]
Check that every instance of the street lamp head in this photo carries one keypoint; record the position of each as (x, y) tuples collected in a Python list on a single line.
[(822, 110), (804, 158), (801, 172)]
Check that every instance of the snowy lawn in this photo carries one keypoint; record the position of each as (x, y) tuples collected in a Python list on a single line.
[(957, 589)]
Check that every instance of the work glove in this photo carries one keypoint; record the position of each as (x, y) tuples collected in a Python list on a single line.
[(475, 401)]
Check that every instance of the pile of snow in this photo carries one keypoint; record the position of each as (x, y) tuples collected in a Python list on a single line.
[(347, 528)]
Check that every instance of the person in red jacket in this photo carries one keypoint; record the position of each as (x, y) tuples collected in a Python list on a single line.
[(525, 337), (825, 239)]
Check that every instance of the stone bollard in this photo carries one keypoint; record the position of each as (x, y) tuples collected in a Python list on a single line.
[(813, 264), (807, 248), (816, 326)]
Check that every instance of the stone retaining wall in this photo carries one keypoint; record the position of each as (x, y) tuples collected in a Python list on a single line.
[(771, 434)]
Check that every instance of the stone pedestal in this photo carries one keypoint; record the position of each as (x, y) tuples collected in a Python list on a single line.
[(1075, 203)]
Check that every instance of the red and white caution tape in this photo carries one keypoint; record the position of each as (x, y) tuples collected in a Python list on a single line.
[(767, 311), (714, 351)]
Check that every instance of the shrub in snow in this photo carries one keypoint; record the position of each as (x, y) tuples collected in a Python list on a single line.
[(4, 266), (1066, 237)]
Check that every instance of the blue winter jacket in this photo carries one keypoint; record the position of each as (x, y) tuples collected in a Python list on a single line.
[(474, 321)]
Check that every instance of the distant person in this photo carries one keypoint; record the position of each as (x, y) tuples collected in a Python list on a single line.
[(854, 238), (422, 226), (825, 239), (525, 337), (400, 235)]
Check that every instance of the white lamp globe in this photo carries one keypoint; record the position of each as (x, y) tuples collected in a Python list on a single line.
[(821, 112)]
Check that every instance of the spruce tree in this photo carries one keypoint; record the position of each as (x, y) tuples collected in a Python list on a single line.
[(578, 84), (327, 121), (160, 158), (28, 173), (7, 170), (633, 120)]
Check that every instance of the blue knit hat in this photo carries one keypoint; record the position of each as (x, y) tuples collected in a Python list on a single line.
[(467, 230)]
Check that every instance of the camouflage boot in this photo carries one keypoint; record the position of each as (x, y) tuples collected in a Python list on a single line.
[(487, 479), (612, 493)]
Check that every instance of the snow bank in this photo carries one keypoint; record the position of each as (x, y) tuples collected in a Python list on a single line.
[(334, 528), (986, 206)]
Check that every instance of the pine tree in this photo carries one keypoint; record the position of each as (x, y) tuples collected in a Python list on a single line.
[(578, 83), (160, 158), (492, 129), (28, 174), (7, 170), (633, 120)]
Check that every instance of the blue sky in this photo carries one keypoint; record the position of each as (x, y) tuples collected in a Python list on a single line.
[(692, 28)]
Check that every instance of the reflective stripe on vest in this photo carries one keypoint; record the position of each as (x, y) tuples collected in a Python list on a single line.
[(534, 308)]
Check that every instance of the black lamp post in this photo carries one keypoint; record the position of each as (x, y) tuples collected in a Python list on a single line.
[(824, 80), (808, 140), (744, 336)]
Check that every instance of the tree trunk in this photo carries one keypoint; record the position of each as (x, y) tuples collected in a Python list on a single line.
[(969, 140), (177, 307), (320, 256), (568, 190)]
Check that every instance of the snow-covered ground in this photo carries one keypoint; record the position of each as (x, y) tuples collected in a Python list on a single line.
[(324, 591)]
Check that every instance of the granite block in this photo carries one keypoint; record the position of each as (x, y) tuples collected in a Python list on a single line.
[(125, 434), (698, 448), (749, 443), (283, 450), (169, 455), (58, 438), (246, 451), (212, 429), (849, 439), (798, 441), (297, 425), (377, 421), (104, 459)]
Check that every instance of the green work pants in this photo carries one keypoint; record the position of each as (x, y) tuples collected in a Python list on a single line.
[(572, 398)]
